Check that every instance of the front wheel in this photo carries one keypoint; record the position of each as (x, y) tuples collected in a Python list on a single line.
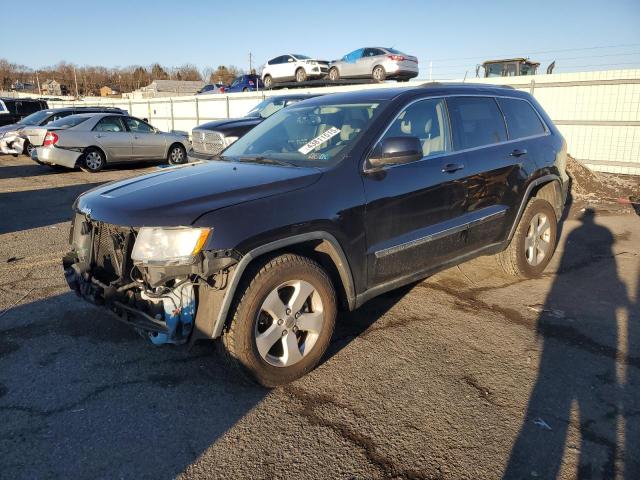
[(334, 75), (301, 75), (268, 81), (177, 155), (282, 321), (93, 161), (533, 243)]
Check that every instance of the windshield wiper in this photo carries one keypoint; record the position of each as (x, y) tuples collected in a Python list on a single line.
[(270, 161)]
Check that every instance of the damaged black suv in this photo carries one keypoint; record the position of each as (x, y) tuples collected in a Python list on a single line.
[(322, 206)]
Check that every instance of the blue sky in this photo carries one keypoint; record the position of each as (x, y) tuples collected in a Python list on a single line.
[(454, 35)]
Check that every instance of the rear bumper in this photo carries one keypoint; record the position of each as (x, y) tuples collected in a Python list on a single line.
[(56, 156)]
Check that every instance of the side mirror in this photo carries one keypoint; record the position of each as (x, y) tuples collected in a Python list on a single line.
[(396, 151)]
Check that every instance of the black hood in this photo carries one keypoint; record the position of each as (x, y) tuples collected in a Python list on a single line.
[(245, 123), (177, 196)]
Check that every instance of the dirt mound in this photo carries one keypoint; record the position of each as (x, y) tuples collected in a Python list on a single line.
[(587, 185)]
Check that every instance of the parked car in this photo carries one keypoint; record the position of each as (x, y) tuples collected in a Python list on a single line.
[(245, 83), (90, 141), (13, 110), (211, 89), (12, 139), (375, 62), (325, 204), (209, 139), (293, 67)]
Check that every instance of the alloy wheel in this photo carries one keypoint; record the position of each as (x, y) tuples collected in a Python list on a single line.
[(177, 155), (289, 323), (537, 243), (93, 160)]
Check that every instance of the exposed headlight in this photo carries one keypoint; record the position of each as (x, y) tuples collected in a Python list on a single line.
[(229, 140), (173, 246), (10, 133)]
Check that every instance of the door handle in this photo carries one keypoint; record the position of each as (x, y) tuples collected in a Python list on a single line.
[(99, 136), (452, 167), (136, 136), (518, 152)]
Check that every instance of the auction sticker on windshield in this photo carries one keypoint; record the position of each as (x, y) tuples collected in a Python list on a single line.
[(319, 140)]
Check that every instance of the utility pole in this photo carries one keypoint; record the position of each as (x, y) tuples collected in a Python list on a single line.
[(250, 64), (75, 79), (38, 81)]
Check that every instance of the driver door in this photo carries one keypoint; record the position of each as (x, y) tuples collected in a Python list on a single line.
[(415, 210), (146, 142)]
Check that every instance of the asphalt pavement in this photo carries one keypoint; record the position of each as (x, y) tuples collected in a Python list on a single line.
[(468, 374)]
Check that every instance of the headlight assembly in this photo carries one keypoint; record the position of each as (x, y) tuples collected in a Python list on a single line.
[(169, 245)]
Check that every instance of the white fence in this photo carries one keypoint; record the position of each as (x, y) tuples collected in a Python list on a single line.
[(597, 112)]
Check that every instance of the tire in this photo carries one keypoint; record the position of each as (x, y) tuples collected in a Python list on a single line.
[(177, 154), (524, 256), (258, 343), (93, 160), (245, 89), (334, 74), (301, 75), (267, 81), (378, 74), (28, 148)]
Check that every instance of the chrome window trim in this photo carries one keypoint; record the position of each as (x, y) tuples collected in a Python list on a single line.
[(546, 133), (438, 235)]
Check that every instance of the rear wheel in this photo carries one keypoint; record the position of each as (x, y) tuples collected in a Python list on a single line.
[(268, 81), (28, 148), (245, 89), (533, 243), (301, 75), (378, 73), (177, 155), (93, 160), (282, 321), (334, 74)]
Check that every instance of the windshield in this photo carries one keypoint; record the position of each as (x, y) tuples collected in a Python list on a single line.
[(305, 135), (68, 122), (266, 108), (35, 118)]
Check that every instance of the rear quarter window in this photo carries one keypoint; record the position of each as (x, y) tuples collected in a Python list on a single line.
[(522, 120), (475, 122)]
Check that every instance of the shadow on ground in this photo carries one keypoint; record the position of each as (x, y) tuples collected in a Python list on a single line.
[(579, 388)]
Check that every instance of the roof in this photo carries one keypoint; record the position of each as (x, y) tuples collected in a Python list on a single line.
[(519, 59), (433, 88)]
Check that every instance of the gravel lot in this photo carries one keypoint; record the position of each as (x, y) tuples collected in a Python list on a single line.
[(468, 374)]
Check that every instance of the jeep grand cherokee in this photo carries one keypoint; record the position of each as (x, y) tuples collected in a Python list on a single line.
[(325, 204)]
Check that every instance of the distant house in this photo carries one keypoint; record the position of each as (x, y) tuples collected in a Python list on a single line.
[(167, 88), (51, 87), (107, 91), (23, 86)]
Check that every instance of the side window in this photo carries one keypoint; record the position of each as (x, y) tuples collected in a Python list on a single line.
[(109, 124), (426, 120), (138, 126), (57, 116), (522, 120), (475, 121)]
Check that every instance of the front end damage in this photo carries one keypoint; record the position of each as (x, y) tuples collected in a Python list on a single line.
[(159, 301)]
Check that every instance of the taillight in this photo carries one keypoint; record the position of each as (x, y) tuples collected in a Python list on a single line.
[(396, 58), (50, 139)]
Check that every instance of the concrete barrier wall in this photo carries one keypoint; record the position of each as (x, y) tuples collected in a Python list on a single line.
[(597, 112)]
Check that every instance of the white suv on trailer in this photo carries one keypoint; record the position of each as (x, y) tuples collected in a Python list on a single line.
[(293, 67)]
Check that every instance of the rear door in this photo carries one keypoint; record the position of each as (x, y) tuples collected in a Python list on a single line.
[(370, 58), (147, 144), (414, 211), (111, 135), (493, 173)]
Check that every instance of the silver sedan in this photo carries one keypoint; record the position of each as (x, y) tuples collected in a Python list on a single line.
[(90, 141), (378, 63)]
